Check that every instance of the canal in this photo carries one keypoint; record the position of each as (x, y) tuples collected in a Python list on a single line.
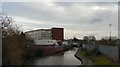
[(66, 58)]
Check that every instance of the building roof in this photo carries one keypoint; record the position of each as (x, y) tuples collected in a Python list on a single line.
[(38, 30), (44, 29), (57, 28)]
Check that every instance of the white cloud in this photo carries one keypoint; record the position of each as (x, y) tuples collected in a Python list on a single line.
[(98, 8), (26, 20), (29, 20)]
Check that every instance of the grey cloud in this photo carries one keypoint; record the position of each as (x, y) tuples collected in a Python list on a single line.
[(65, 4), (95, 20), (70, 14), (75, 16)]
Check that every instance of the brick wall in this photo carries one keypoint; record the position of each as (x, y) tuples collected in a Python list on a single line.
[(58, 34)]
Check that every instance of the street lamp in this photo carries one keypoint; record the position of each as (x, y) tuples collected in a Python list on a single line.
[(110, 31)]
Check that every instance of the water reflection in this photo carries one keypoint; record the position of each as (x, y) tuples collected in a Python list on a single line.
[(66, 58)]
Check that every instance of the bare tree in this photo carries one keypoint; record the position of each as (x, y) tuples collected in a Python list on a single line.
[(5, 20), (8, 28), (85, 38)]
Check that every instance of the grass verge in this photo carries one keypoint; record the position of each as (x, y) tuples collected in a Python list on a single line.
[(101, 60), (97, 60)]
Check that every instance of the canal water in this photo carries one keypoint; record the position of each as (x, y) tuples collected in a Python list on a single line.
[(66, 58)]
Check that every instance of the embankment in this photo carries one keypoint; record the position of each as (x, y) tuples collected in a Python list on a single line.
[(84, 60)]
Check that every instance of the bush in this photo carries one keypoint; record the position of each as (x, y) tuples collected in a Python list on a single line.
[(95, 52), (14, 50)]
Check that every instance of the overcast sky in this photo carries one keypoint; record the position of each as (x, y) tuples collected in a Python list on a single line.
[(77, 18)]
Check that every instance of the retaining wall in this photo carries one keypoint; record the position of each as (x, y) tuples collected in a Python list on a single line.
[(110, 51)]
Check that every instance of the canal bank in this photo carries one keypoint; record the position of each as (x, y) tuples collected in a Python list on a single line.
[(84, 60), (65, 58), (93, 58)]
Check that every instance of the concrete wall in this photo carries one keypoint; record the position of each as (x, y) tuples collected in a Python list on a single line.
[(110, 51)]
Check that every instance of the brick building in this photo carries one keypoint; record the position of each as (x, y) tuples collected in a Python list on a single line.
[(47, 34), (57, 33)]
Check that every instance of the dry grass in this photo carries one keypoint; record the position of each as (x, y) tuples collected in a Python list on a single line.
[(101, 60)]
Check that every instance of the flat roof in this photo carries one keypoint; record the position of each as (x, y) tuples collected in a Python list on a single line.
[(43, 29), (38, 30)]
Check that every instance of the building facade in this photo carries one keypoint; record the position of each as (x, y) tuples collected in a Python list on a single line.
[(45, 42), (47, 34), (40, 34), (58, 33)]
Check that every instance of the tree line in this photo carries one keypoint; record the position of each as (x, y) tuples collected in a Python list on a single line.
[(14, 42)]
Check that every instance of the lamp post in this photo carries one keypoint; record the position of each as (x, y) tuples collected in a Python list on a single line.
[(110, 29), (110, 32)]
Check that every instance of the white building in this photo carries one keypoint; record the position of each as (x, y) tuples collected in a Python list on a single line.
[(40, 34), (46, 42), (65, 43), (46, 36)]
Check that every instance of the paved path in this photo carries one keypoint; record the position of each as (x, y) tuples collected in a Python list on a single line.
[(85, 60)]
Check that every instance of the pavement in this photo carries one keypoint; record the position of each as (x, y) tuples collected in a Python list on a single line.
[(84, 60)]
